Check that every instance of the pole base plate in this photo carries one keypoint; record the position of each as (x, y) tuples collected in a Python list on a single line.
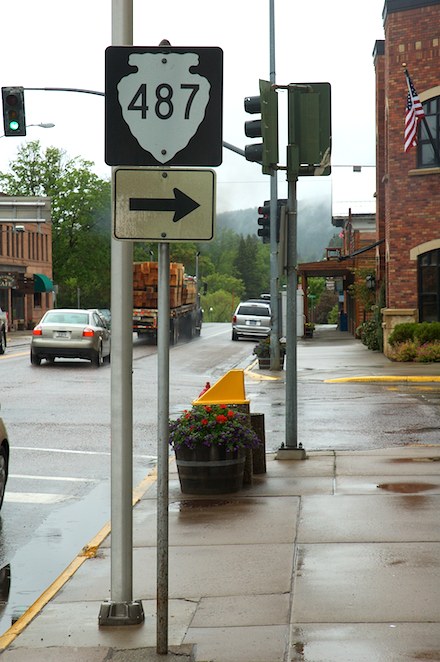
[(121, 613), (285, 453)]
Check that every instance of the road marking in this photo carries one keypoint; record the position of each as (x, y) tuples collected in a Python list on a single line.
[(35, 497), (383, 378), (68, 450), (13, 356), (69, 479)]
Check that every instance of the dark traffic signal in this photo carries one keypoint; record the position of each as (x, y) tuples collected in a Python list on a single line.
[(266, 128), (14, 120), (264, 222)]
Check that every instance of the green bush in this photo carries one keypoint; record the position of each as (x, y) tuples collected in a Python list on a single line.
[(427, 332), (402, 333), (368, 333)]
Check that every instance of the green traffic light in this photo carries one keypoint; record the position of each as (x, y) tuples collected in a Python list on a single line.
[(14, 125)]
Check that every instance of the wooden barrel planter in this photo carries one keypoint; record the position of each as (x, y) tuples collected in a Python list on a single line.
[(210, 470), (264, 362)]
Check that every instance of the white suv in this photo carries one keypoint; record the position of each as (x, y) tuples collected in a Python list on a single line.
[(252, 319)]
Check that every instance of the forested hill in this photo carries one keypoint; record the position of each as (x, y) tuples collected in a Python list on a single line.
[(314, 227)]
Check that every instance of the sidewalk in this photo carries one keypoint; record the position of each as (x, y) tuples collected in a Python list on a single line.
[(334, 558)]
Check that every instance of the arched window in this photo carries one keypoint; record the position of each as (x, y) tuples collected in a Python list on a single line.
[(428, 269), (426, 157)]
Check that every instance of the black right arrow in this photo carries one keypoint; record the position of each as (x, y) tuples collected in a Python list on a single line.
[(181, 204)]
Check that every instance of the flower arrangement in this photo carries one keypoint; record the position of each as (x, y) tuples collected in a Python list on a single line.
[(262, 350), (212, 425)]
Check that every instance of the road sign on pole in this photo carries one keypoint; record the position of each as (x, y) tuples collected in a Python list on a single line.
[(163, 106), (164, 205)]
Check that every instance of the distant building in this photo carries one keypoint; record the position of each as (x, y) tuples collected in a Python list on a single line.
[(408, 183), (26, 286)]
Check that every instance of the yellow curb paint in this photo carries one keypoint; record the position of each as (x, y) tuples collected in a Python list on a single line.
[(383, 378), (88, 551), (253, 375)]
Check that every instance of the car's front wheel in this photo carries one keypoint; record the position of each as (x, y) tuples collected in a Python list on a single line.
[(2, 342)]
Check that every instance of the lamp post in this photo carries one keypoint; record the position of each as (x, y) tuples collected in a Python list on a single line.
[(42, 125)]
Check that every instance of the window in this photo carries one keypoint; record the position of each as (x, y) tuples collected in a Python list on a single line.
[(426, 157), (428, 269)]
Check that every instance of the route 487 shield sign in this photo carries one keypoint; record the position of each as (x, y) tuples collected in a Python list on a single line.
[(163, 106)]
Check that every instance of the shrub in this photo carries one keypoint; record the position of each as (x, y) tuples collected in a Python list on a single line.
[(402, 333), (367, 332), (405, 351), (429, 353), (427, 332)]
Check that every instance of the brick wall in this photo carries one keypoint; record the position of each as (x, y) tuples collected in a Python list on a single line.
[(408, 199)]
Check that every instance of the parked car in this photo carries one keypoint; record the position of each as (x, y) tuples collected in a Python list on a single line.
[(252, 319), (71, 333), (2, 332), (4, 460)]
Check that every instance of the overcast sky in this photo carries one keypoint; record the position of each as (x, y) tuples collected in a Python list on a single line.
[(61, 43)]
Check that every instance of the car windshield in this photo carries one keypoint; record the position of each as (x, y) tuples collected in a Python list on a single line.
[(55, 317), (260, 311)]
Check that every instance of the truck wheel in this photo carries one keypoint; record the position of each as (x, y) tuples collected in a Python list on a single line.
[(174, 332)]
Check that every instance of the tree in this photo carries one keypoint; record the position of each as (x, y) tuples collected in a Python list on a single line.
[(252, 266), (81, 219)]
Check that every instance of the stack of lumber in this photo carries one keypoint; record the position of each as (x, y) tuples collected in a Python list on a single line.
[(145, 281)]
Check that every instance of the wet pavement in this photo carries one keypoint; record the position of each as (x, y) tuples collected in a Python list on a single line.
[(331, 558)]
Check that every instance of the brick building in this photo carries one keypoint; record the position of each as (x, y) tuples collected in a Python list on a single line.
[(408, 183), (26, 287)]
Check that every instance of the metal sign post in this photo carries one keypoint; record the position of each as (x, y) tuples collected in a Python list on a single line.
[(163, 412)]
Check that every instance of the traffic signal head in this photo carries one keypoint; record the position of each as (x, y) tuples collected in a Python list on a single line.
[(264, 222), (309, 128), (266, 128), (14, 120)]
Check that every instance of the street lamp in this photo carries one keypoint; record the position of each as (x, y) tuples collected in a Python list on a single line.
[(43, 125)]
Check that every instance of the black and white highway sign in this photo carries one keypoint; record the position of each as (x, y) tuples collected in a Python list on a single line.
[(164, 205), (163, 106)]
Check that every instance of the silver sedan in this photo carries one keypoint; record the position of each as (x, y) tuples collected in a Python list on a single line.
[(71, 333)]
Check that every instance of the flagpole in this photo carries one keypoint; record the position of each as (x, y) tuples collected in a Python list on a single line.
[(425, 123)]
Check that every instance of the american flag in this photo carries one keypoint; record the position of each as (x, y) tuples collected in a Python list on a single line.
[(414, 113)]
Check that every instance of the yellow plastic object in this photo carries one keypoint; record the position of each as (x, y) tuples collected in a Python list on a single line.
[(229, 390)]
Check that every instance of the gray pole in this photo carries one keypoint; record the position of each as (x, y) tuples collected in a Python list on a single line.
[(274, 301), (121, 610), (163, 362), (291, 357), (291, 449)]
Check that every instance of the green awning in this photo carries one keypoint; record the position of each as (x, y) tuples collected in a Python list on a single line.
[(42, 283)]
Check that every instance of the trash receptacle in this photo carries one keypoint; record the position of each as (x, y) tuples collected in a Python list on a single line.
[(343, 322)]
